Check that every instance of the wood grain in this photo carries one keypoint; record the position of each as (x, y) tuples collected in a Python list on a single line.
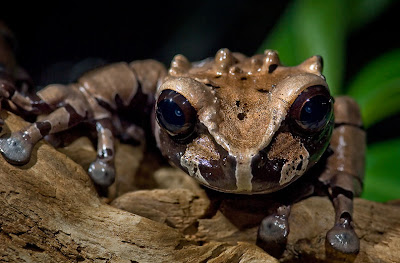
[(50, 212)]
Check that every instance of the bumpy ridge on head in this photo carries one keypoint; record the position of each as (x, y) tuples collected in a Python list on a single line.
[(228, 63)]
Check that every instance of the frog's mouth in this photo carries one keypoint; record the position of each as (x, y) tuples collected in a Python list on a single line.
[(269, 170)]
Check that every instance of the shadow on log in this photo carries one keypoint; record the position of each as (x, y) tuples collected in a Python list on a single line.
[(50, 212)]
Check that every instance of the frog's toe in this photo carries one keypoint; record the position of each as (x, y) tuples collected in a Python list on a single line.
[(272, 234), (15, 148), (342, 238), (102, 173)]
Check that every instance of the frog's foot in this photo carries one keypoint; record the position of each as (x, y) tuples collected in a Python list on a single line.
[(102, 173), (342, 238), (15, 148), (272, 234)]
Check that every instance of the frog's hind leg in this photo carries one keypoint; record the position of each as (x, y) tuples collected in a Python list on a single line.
[(17, 147), (102, 170), (342, 237), (344, 173), (273, 232)]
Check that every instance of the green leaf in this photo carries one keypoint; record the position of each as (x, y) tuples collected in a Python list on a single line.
[(311, 27), (377, 88), (362, 11), (282, 37), (382, 180)]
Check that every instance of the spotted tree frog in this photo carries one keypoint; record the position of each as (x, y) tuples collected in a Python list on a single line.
[(237, 124)]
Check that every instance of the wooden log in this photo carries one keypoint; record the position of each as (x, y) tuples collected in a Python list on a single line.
[(50, 212), (377, 224)]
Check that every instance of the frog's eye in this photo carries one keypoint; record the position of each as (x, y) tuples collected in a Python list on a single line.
[(175, 113), (312, 109)]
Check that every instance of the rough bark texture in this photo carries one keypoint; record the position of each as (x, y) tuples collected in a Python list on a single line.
[(50, 212)]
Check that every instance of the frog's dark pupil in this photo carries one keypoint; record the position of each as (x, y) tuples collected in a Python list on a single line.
[(315, 111), (170, 115)]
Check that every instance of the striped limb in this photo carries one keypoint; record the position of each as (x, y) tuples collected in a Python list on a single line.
[(102, 170), (34, 104), (70, 109), (344, 174)]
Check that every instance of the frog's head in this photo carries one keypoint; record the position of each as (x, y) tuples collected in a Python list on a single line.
[(244, 125)]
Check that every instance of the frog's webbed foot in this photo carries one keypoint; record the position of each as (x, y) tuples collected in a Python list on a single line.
[(273, 232), (342, 237), (15, 148), (102, 172)]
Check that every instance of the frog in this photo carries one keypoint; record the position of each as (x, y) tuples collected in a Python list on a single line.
[(238, 125)]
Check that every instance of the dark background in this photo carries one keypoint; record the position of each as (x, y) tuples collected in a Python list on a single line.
[(53, 38), (72, 31)]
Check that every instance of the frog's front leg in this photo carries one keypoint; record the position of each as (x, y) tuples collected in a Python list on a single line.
[(102, 170), (344, 174), (273, 231), (69, 109)]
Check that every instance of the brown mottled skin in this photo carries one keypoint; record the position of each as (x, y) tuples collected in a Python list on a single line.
[(239, 128)]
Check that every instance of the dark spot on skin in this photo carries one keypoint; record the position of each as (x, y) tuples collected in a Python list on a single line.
[(218, 76), (44, 127), (238, 103), (241, 116), (106, 153), (272, 67), (118, 100), (39, 105), (243, 78), (298, 168), (273, 85), (339, 190), (104, 104), (212, 86), (74, 117), (263, 90)]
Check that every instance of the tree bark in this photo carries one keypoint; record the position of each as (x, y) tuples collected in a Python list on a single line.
[(50, 212)]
